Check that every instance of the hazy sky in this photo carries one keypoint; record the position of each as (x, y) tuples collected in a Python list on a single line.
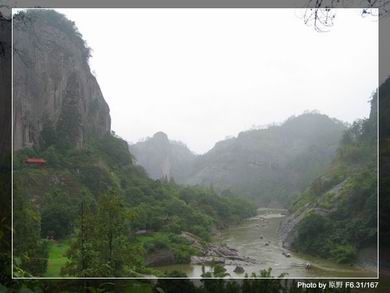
[(200, 75)]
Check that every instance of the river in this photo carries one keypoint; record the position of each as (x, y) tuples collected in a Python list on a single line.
[(246, 238)]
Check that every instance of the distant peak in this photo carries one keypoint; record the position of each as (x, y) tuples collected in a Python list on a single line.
[(160, 136)]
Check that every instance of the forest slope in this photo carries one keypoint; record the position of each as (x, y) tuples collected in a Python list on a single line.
[(337, 215)]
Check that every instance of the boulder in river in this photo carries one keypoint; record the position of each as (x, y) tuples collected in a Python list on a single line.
[(239, 270), (222, 251)]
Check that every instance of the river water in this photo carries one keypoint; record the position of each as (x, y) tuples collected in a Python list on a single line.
[(246, 238)]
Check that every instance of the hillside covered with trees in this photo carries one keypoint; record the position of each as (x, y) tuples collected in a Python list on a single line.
[(98, 199), (336, 216), (76, 186)]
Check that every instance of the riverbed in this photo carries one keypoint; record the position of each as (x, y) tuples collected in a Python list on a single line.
[(258, 238)]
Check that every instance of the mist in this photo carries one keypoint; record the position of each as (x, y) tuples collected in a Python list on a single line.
[(201, 75)]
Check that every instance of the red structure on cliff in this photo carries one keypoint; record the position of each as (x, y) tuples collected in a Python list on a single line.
[(36, 161)]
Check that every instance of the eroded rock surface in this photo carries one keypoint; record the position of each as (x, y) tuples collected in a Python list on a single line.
[(54, 89)]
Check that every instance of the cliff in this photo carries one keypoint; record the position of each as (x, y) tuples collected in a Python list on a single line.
[(55, 96), (163, 158)]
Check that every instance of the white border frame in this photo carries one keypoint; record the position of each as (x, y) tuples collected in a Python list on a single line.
[(169, 278)]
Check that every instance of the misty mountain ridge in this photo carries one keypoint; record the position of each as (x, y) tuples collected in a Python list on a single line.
[(268, 163), (342, 202)]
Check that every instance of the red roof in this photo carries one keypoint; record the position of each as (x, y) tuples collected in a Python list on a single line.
[(36, 161)]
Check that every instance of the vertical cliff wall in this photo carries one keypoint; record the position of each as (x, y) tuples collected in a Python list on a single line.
[(56, 98)]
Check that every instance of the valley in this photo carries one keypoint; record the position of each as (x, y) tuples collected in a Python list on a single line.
[(297, 197)]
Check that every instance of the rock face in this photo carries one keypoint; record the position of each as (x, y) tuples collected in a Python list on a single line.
[(288, 227), (163, 158), (54, 90)]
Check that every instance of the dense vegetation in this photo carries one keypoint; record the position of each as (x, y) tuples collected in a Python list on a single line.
[(98, 198), (343, 201)]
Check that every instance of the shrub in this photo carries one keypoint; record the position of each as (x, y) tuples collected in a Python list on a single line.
[(344, 253)]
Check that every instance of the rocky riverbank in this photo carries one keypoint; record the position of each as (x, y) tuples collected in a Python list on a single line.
[(247, 241), (209, 254), (215, 254), (289, 225)]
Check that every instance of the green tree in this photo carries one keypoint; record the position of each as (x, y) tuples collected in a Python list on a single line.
[(82, 254), (57, 215), (102, 246), (30, 252), (112, 231)]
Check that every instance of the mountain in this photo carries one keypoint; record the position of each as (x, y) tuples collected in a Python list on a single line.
[(107, 216), (163, 158), (56, 98), (269, 164), (274, 162), (341, 203)]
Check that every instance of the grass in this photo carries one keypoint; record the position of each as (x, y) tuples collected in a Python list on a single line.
[(57, 258)]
